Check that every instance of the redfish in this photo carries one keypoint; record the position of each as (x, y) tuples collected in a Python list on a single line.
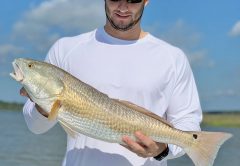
[(80, 108)]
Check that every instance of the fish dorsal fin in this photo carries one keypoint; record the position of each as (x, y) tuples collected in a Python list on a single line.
[(54, 110), (143, 111), (68, 130)]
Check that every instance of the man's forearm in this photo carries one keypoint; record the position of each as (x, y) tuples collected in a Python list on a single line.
[(36, 121)]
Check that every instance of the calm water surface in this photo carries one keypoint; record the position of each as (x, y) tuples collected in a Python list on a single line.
[(19, 147)]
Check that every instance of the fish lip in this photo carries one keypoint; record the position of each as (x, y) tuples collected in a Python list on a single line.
[(17, 73)]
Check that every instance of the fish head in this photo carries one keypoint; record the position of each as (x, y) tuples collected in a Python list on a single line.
[(41, 80)]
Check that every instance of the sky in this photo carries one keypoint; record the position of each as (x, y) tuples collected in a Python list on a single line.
[(207, 31)]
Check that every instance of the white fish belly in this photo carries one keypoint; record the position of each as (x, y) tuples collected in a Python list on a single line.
[(90, 127)]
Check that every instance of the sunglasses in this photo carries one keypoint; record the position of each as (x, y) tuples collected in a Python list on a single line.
[(128, 1)]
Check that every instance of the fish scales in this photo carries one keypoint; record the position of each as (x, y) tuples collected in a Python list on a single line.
[(99, 114)]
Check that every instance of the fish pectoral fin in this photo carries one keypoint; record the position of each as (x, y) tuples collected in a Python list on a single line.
[(143, 111), (54, 110), (68, 130)]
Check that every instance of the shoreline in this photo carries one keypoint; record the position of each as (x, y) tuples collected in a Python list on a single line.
[(11, 106), (221, 119)]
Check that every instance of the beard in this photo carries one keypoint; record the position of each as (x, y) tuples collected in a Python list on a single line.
[(122, 27)]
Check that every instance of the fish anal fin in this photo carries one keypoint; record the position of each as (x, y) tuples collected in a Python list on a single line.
[(68, 130), (54, 110), (143, 111)]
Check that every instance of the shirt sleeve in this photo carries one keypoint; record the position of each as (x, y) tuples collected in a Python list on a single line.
[(184, 111), (36, 122)]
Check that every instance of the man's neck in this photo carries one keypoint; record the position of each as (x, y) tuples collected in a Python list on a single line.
[(132, 34)]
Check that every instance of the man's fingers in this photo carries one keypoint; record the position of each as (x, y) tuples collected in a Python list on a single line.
[(144, 146), (23, 92), (133, 146), (146, 141)]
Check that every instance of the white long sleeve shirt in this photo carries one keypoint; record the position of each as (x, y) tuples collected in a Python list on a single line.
[(148, 72)]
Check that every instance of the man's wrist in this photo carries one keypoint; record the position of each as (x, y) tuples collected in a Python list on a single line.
[(41, 111), (162, 155)]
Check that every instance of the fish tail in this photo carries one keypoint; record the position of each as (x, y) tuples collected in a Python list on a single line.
[(205, 147)]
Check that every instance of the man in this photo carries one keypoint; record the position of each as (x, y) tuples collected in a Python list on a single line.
[(124, 62)]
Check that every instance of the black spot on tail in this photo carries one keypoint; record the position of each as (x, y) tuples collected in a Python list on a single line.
[(195, 136)]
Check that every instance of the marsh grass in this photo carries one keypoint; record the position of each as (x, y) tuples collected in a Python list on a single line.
[(222, 119), (13, 106)]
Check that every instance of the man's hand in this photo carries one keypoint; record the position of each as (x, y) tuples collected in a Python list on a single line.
[(23, 92), (144, 146)]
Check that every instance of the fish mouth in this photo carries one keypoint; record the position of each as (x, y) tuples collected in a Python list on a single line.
[(17, 74)]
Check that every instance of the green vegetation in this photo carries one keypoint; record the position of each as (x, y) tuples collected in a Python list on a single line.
[(10, 106), (222, 119)]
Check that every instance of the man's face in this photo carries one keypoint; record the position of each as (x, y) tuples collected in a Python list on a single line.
[(123, 15)]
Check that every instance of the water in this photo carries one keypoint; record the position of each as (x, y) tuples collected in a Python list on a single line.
[(19, 147)]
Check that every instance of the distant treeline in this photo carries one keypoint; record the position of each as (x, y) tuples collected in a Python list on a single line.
[(10, 106)]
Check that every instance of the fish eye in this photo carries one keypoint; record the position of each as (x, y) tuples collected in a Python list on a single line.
[(30, 65)]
